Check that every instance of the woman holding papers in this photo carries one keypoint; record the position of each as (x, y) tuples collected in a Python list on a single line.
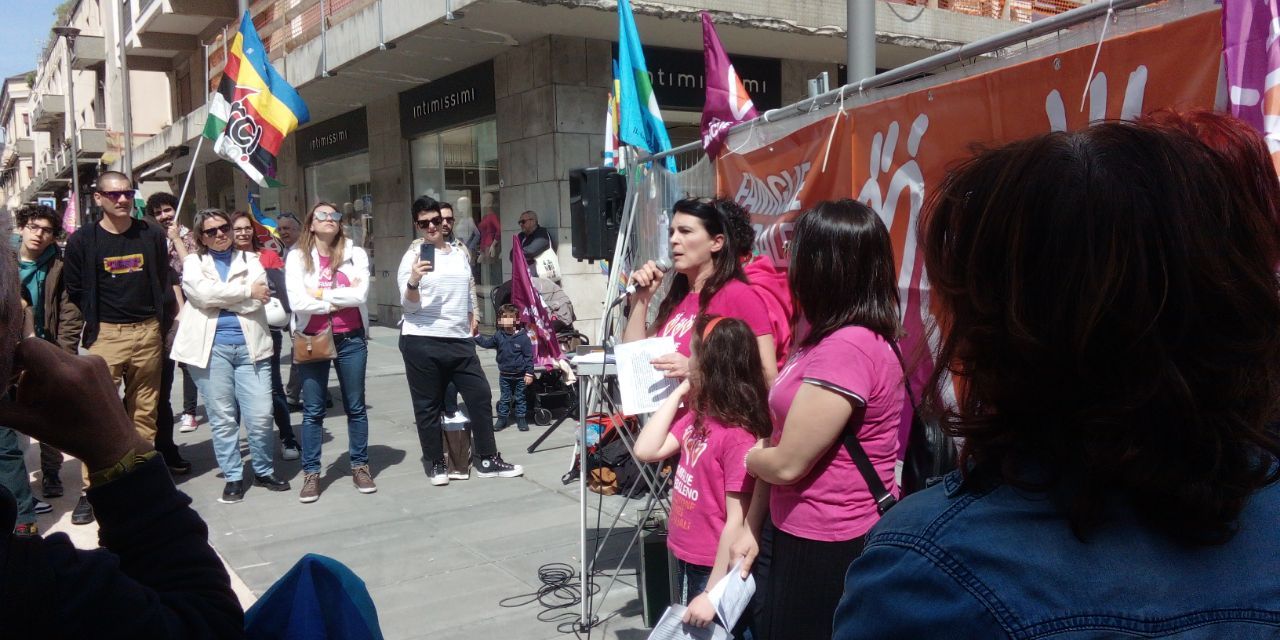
[(843, 378), (729, 413), (708, 280)]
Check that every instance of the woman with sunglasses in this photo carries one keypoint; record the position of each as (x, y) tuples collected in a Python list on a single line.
[(223, 339), (328, 282), (436, 340), (245, 238)]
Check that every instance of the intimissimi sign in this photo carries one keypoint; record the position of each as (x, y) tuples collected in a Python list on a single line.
[(343, 135), (454, 99), (679, 78)]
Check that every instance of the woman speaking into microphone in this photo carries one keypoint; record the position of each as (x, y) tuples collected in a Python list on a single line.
[(708, 280)]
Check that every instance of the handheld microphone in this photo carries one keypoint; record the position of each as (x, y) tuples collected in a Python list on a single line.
[(663, 264)]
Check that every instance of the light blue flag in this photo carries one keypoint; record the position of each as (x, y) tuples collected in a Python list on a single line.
[(640, 119)]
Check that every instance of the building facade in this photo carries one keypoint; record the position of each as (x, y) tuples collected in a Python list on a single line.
[(486, 104)]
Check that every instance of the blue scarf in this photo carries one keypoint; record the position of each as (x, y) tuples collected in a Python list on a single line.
[(33, 276)]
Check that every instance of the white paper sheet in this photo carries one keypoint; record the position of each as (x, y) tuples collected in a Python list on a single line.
[(642, 387), (731, 595), (669, 627)]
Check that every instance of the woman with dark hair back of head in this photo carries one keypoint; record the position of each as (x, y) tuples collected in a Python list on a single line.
[(812, 508), (708, 280), (1111, 312)]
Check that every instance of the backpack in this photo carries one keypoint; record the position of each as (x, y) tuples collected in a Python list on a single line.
[(931, 453)]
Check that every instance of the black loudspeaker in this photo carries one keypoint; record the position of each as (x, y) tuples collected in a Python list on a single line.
[(657, 579), (596, 195)]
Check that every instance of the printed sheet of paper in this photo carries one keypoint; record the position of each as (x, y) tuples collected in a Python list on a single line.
[(669, 627), (732, 594), (643, 387)]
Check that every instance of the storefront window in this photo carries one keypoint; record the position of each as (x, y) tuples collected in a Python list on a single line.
[(345, 182), (460, 166)]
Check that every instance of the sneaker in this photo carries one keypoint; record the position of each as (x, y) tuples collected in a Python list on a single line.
[(495, 467), (439, 474), (83, 513), (43, 507), (361, 478), (177, 465), (28, 530), (232, 493), (271, 482), (188, 423), (289, 450), (51, 486), (310, 488)]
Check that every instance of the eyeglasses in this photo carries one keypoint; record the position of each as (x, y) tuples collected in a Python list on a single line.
[(116, 195), (220, 230), (524, 220), (242, 230), (325, 216), (437, 221), (35, 228)]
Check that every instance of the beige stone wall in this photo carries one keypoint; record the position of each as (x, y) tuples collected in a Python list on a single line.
[(550, 101)]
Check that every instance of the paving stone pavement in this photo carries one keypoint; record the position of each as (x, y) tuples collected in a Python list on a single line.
[(437, 560)]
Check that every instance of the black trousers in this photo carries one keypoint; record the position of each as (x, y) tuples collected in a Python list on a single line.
[(164, 411), (279, 405), (430, 364), (798, 585)]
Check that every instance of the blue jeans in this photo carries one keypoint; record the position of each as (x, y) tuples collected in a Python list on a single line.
[(13, 476), (353, 356), (512, 390), (233, 384)]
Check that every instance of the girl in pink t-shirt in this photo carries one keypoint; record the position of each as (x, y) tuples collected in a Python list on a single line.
[(727, 415), (842, 378), (705, 249)]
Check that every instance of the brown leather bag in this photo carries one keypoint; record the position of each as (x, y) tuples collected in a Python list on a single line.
[(314, 348)]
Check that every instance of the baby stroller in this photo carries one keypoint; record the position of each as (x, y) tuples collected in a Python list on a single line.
[(550, 397)]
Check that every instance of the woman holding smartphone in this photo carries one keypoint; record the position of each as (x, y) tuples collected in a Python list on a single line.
[(438, 298), (327, 278)]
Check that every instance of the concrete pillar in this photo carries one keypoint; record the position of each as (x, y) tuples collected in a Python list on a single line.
[(551, 97), (388, 172)]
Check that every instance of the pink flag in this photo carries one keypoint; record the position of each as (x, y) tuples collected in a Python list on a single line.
[(727, 101), (546, 348), (70, 215), (1251, 48)]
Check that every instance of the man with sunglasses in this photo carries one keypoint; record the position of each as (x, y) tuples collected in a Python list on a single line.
[(534, 239), (116, 274)]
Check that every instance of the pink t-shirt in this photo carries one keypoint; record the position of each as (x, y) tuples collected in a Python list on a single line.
[(735, 299), (344, 320), (710, 464), (833, 502)]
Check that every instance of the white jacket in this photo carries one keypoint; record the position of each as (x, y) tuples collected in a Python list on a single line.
[(355, 265), (207, 295)]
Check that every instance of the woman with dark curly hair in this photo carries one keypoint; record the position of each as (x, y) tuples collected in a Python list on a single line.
[(708, 280), (1112, 311)]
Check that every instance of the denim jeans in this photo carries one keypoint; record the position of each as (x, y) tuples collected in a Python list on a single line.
[(353, 356), (233, 381), (512, 390), (280, 404), (13, 476), (693, 581)]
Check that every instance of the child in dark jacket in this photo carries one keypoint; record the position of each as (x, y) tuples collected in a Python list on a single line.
[(515, 365)]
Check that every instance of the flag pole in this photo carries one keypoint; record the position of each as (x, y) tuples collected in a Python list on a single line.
[(187, 182)]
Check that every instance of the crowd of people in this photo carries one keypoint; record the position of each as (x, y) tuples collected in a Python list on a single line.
[(1107, 354)]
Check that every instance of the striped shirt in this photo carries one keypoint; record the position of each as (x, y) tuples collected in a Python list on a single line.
[(445, 301)]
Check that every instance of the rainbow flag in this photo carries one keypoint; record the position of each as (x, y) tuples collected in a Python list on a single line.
[(253, 109)]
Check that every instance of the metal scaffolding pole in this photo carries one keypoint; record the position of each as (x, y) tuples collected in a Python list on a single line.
[(860, 32)]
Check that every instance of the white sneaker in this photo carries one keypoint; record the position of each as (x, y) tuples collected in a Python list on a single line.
[(289, 451), (439, 474), (188, 423)]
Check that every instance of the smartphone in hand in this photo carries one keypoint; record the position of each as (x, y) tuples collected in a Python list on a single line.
[(427, 253)]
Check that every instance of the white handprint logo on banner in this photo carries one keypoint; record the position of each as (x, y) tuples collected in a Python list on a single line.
[(1134, 90), (908, 179)]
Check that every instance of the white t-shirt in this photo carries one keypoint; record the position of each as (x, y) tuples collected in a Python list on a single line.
[(445, 301)]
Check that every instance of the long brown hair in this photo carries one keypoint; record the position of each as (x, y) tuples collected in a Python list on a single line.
[(727, 381), (253, 237), (307, 241), (1111, 309)]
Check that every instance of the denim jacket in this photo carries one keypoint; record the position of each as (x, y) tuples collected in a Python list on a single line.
[(955, 561)]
